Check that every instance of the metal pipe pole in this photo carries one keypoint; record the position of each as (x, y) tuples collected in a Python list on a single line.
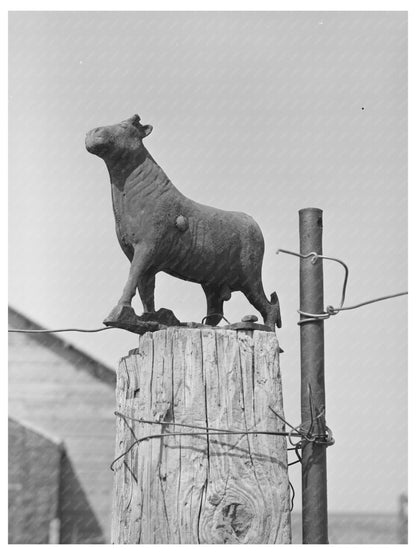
[(314, 480)]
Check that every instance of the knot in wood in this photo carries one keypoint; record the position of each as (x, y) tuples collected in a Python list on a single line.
[(214, 499), (181, 223), (238, 519)]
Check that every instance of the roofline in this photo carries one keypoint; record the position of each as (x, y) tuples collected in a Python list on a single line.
[(39, 431), (67, 350)]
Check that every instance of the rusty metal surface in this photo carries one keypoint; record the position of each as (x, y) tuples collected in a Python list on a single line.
[(159, 229)]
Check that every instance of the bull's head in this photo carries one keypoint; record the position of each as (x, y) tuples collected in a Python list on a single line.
[(120, 141)]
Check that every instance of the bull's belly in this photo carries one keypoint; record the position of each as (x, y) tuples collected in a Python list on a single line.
[(215, 269), (216, 281)]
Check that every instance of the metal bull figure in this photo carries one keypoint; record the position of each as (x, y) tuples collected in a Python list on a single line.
[(161, 230)]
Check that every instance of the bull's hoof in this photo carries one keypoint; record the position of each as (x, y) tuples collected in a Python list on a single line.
[(124, 317), (121, 314), (163, 316)]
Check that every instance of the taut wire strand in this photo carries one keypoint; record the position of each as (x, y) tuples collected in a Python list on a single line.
[(82, 330), (330, 310), (62, 330)]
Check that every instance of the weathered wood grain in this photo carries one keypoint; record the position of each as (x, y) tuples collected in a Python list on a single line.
[(194, 489)]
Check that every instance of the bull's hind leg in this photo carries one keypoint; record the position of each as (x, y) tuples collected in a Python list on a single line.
[(215, 302), (269, 310), (146, 288)]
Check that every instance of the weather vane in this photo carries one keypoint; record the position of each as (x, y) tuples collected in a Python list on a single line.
[(161, 230)]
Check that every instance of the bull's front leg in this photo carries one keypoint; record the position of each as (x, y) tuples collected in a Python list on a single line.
[(141, 278)]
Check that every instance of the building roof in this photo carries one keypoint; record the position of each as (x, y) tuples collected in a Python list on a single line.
[(63, 348), (38, 431)]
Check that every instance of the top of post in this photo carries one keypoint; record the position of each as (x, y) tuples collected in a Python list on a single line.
[(308, 210), (310, 218)]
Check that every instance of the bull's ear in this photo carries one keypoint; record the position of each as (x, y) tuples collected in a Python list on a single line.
[(146, 130)]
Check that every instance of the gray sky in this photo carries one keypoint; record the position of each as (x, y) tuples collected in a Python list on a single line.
[(261, 112)]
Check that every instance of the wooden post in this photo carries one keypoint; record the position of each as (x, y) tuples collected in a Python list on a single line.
[(195, 489), (314, 481)]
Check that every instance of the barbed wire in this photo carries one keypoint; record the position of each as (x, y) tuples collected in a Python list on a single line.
[(330, 310), (305, 437), (205, 431)]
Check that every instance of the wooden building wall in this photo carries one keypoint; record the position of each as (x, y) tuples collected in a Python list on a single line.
[(34, 478), (69, 395)]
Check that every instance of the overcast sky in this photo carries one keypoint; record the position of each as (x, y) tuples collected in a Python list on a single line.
[(264, 113)]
